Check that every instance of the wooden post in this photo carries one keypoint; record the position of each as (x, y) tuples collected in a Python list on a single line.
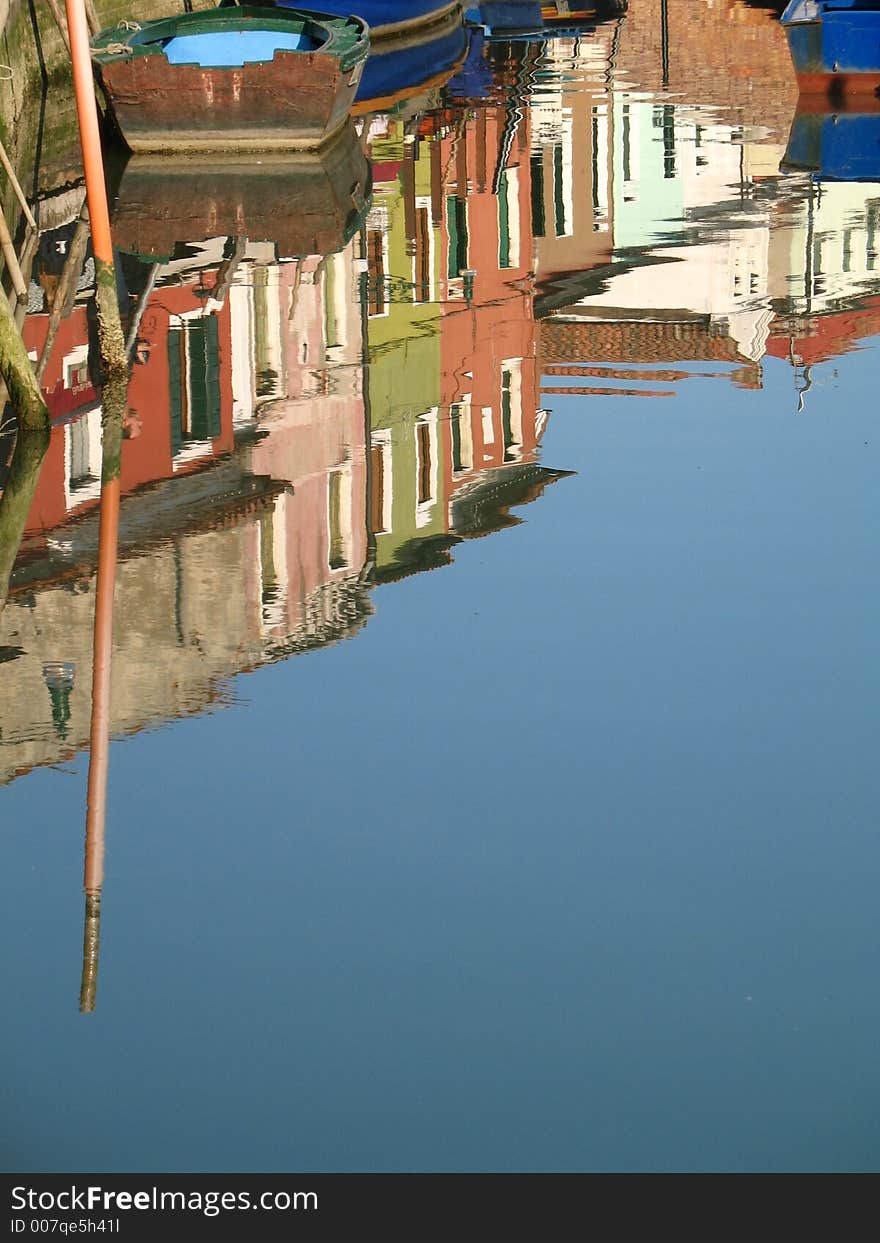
[(66, 287), (111, 340), (18, 285), (59, 22), (30, 445), (16, 185)]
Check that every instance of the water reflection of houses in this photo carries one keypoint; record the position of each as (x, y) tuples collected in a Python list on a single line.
[(269, 475), (704, 258), (454, 381), (242, 536)]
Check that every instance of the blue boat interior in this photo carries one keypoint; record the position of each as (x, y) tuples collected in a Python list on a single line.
[(234, 48), (815, 10)]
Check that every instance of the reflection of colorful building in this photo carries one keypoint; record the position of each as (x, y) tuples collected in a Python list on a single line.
[(249, 540), (454, 387), (255, 510), (402, 289)]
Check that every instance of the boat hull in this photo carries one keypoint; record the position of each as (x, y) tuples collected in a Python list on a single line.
[(307, 203), (835, 146), (387, 19), (399, 67), (837, 52), (297, 100)]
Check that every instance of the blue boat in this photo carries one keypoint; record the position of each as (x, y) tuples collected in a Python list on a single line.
[(835, 146), (835, 46), (511, 18), (407, 64), (387, 19)]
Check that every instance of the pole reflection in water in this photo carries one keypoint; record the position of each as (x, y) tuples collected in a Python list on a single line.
[(114, 398)]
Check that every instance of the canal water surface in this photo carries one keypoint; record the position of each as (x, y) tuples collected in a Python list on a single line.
[(494, 778)]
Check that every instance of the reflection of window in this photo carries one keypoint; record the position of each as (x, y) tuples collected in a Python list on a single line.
[(376, 269), (380, 481), (599, 131), (457, 228), (508, 219), (79, 470), (77, 372), (82, 458), (462, 437), (339, 517), (272, 536), (426, 466), (511, 410), (667, 122), (422, 256), (423, 438), (194, 382)]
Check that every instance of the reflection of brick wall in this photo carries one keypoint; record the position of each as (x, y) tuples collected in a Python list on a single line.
[(721, 53), (630, 341)]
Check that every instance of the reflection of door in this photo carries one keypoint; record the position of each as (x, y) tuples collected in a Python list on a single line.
[(194, 381)]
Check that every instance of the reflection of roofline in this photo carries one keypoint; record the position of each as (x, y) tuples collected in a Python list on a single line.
[(477, 509), (484, 506), (149, 516), (564, 289)]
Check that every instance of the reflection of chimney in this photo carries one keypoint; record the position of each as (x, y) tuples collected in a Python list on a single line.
[(58, 676)]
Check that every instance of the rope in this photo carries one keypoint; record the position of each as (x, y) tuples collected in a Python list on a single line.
[(6, 74), (116, 49)]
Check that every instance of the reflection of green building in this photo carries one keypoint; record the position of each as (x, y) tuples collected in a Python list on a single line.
[(647, 180), (403, 314)]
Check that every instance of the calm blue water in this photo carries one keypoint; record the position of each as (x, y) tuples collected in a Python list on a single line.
[(566, 861)]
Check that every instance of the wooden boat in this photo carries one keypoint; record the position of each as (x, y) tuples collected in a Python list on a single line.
[(835, 145), (835, 46), (259, 79), (306, 202), (387, 19)]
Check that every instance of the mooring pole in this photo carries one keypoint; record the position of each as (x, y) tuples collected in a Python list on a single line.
[(115, 366)]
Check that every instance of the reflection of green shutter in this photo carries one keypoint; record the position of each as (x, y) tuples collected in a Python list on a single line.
[(452, 230), (174, 389), (558, 193), (503, 223), (456, 223), (537, 164), (204, 378), (194, 386)]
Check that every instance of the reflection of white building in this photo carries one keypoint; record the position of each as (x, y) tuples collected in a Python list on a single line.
[(824, 246), (686, 245)]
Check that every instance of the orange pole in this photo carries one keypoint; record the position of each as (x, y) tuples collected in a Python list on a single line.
[(113, 400), (99, 738), (89, 132)]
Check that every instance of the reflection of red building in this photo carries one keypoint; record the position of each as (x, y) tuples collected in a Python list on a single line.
[(490, 387), (180, 401), (806, 340)]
